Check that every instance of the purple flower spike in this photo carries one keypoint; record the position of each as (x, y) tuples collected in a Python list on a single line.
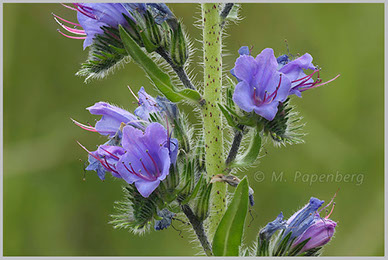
[(112, 117), (267, 232), (320, 233), (147, 159), (261, 87), (147, 105)]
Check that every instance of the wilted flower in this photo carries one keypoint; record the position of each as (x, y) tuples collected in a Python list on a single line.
[(147, 105), (148, 156), (166, 220), (320, 233), (261, 87), (306, 223), (270, 229)]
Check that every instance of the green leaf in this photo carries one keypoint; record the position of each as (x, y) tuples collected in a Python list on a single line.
[(228, 236), (233, 15), (161, 80), (194, 192), (252, 152), (228, 117)]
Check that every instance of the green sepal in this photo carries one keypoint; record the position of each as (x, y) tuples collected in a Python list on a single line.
[(262, 247), (228, 236), (194, 192), (179, 53), (161, 80), (294, 251), (201, 208), (252, 152)]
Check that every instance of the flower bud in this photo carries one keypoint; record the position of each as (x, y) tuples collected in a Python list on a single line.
[(179, 53), (319, 233)]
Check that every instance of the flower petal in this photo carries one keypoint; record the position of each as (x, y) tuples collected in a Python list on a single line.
[(243, 96), (245, 68), (294, 69), (268, 111), (112, 117), (146, 188)]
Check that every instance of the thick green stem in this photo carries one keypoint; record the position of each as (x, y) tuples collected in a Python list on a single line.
[(212, 123)]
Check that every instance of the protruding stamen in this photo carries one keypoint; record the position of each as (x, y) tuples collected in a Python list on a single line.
[(66, 21), (98, 159), (114, 156), (71, 30), (71, 37), (69, 7), (85, 127), (133, 94)]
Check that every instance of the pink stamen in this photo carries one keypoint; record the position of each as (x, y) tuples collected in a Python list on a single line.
[(97, 158), (69, 7), (155, 164), (145, 168), (332, 209), (85, 127), (109, 167), (82, 9), (324, 83), (72, 30), (66, 21), (71, 37), (114, 156), (137, 174), (133, 94)]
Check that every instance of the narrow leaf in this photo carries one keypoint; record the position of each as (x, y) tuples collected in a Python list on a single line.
[(252, 152), (161, 80), (228, 236)]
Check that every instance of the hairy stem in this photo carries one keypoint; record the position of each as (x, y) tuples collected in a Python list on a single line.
[(212, 123), (179, 70), (198, 228), (225, 11), (238, 135)]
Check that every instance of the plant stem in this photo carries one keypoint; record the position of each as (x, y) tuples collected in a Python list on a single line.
[(238, 135), (179, 70), (212, 123), (198, 228)]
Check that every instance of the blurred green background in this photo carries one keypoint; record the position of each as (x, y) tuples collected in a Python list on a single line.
[(49, 210)]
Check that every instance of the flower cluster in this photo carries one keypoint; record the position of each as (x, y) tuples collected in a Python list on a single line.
[(267, 81), (138, 151), (305, 231)]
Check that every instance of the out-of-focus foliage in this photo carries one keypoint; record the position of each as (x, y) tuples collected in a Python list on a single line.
[(49, 210)]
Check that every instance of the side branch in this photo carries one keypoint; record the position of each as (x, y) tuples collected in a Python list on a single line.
[(238, 135), (179, 70), (198, 228)]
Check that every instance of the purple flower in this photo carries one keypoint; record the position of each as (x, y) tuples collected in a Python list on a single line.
[(104, 159), (262, 87), (148, 156), (303, 218), (295, 72), (112, 118), (320, 233), (306, 223), (270, 229), (93, 16), (147, 105)]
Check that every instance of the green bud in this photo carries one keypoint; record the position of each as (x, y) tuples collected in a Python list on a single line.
[(179, 52), (202, 205)]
